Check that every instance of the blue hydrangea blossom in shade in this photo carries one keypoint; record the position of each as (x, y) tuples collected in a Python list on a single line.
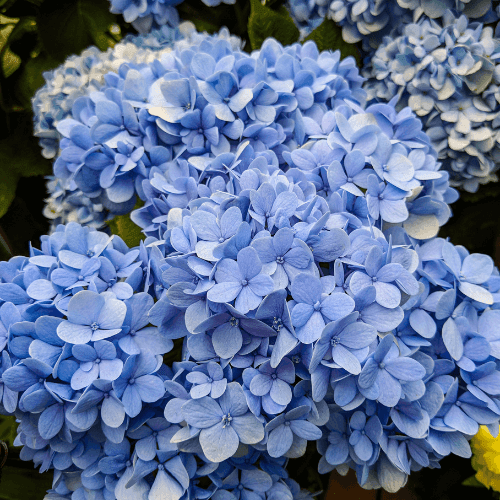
[(370, 20), (454, 90)]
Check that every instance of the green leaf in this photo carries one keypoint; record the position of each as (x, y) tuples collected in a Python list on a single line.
[(22, 483), (69, 26), (328, 36), (8, 183), (129, 232), (29, 79), (265, 22), (20, 153), (472, 481), (10, 60), (8, 429)]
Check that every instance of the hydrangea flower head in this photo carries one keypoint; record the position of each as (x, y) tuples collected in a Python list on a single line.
[(446, 75), (369, 21)]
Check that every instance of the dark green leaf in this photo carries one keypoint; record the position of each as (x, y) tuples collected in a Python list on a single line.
[(28, 79), (328, 36), (69, 26), (265, 22), (129, 232), (19, 157), (3, 2), (8, 429), (212, 19), (22, 483), (8, 183), (20, 152), (12, 51), (472, 481)]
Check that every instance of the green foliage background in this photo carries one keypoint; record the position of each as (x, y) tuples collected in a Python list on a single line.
[(37, 36)]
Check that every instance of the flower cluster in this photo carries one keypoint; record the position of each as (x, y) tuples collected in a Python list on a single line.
[(449, 76), (374, 164), (299, 323), (485, 450), (370, 20), (377, 348), (81, 367), (147, 115), (80, 76), (83, 74), (147, 14)]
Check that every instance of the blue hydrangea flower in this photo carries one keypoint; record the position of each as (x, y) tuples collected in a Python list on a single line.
[(383, 372), (91, 317), (137, 383), (241, 281), (283, 428), (212, 382), (224, 423)]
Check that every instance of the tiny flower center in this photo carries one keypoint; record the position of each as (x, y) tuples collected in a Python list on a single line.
[(97, 361), (131, 381), (161, 467), (234, 322), (244, 282), (296, 359), (317, 306), (80, 278), (287, 423), (94, 326), (209, 380), (221, 240), (274, 376), (90, 253), (381, 365), (277, 324), (280, 260), (132, 333), (334, 341), (474, 382), (226, 420)]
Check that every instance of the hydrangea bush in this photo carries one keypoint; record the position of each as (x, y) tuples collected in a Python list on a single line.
[(291, 287)]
